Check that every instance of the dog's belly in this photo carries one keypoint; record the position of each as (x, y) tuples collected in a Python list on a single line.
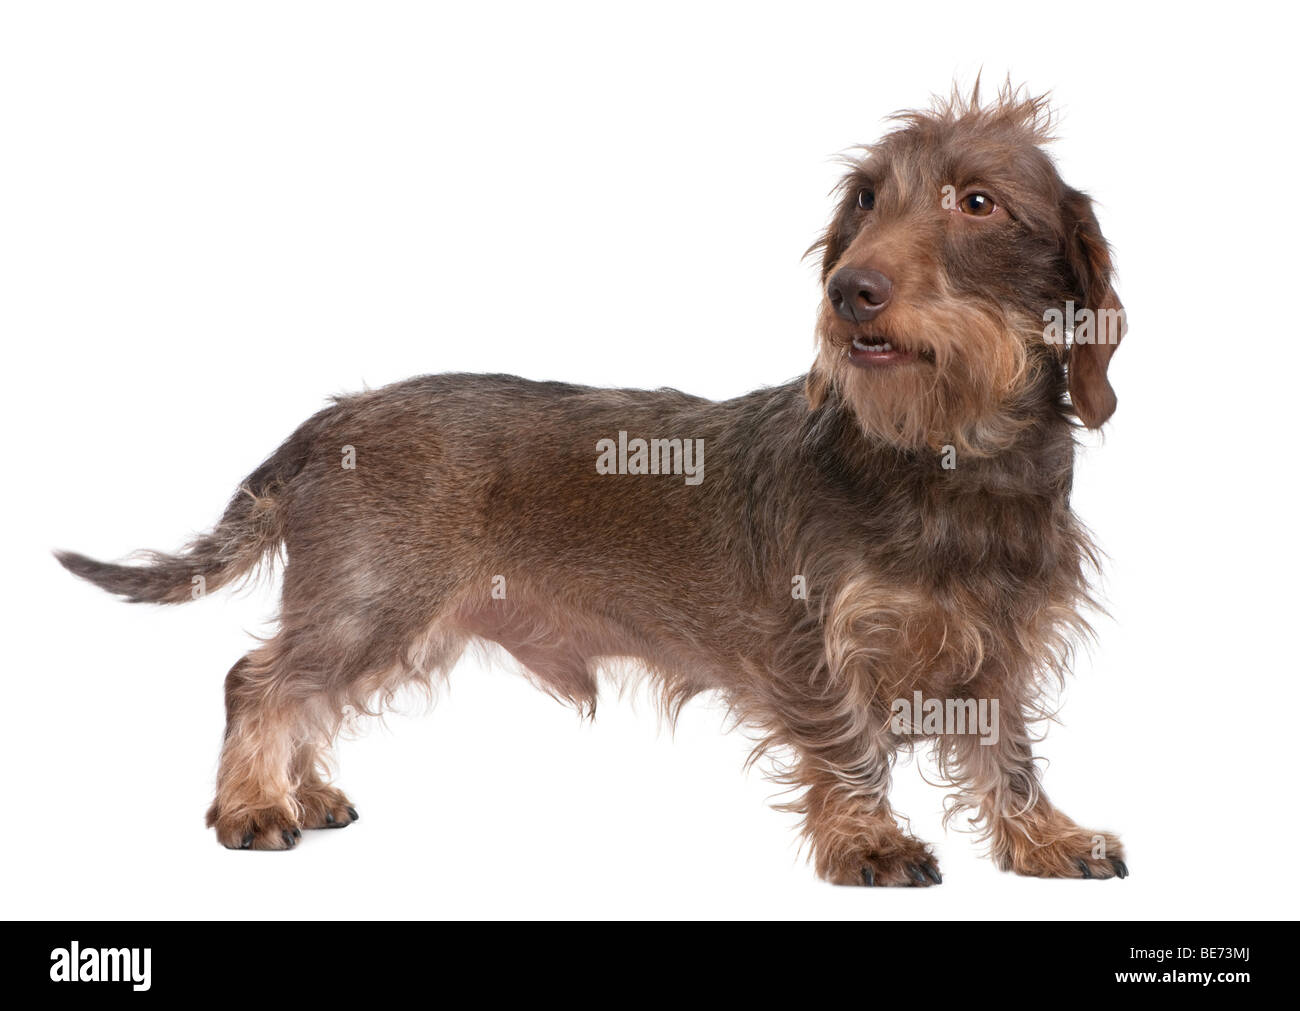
[(563, 649)]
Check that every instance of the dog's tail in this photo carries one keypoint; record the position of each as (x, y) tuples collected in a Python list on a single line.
[(248, 533)]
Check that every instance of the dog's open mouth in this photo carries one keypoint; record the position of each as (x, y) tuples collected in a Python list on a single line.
[(874, 352)]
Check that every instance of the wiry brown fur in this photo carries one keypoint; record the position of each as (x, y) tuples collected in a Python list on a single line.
[(965, 582)]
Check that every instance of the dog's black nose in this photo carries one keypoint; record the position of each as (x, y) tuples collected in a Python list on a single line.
[(859, 295)]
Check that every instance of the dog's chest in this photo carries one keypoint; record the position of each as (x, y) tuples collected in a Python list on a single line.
[(959, 591)]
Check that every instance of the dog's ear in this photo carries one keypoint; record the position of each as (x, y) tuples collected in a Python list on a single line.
[(836, 238), (1088, 257)]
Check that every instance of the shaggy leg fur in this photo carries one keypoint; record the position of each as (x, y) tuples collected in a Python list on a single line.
[(1026, 833)]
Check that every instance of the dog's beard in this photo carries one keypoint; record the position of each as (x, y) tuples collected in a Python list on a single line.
[(959, 390)]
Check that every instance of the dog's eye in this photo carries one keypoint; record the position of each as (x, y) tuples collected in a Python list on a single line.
[(979, 205), (866, 199)]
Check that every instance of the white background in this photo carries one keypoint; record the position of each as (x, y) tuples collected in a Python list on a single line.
[(214, 216)]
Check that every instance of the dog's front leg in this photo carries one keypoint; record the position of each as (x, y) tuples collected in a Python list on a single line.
[(843, 769), (999, 781)]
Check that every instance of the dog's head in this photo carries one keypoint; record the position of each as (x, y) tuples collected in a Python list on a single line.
[(954, 265)]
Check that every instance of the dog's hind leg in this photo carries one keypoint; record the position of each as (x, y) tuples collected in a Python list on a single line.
[(267, 731), (286, 702)]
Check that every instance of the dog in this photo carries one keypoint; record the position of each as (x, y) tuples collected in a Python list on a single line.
[(849, 559)]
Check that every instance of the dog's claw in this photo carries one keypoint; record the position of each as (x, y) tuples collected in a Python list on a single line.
[(290, 838), (1083, 866), (868, 877), (329, 817), (247, 842), (1121, 868), (933, 873), (916, 873), (352, 813)]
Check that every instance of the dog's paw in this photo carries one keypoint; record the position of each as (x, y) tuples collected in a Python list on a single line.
[(1078, 854), (325, 807), (903, 862), (268, 828), (918, 870)]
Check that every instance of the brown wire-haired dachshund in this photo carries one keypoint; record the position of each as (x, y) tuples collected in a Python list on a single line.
[(879, 553)]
